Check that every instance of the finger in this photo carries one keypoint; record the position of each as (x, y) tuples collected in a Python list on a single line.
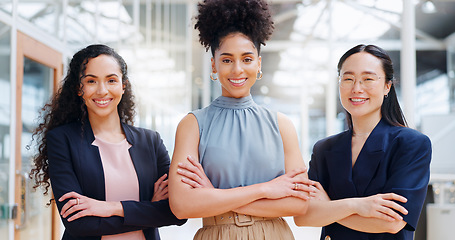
[(300, 195), (392, 215), (68, 205), (396, 206), (190, 182), (305, 180), (190, 167), (160, 180), (77, 216), (71, 210), (195, 163), (189, 175), (305, 188), (69, 195), (396, 197), (318, 186), (164, 183)]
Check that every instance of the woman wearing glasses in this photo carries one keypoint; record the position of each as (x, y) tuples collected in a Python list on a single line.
[(372, 177)]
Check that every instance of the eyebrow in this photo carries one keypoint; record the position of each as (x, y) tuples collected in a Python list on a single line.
[(364, 72), (93, 76), (230, 54)]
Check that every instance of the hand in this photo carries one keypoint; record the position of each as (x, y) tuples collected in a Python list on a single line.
[(160, 190), (293, 183), (381, 206), (193, 174), (319, 193), (84, 206)]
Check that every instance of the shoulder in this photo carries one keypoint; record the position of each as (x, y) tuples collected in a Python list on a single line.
[(328, 142), (140, 134), (409, 136), (67, 129)]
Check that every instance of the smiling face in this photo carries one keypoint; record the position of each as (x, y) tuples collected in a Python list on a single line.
[(102, 87), (363, 100), (237, 63)]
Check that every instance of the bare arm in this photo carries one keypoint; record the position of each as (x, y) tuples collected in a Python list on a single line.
[(372, 214), (372, 225), (82, 206), (189, 202), (289, 206)]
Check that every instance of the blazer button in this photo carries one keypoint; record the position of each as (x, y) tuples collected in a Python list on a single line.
[(327, 238)]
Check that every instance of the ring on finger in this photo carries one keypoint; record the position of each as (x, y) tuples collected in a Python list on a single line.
[(295, 186), (77, 201)]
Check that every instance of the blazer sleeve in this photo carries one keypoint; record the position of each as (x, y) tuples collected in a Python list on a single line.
[(409, 174), (64, 179), (147, 213), (313, 164)]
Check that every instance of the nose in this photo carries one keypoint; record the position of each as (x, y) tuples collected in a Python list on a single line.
[(358, 86), (237, 67), (102, 88)]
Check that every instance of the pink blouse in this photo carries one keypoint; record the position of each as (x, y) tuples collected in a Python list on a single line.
[(120, 179)]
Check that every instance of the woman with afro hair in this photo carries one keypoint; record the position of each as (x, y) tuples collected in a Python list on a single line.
[(108, 177), (237, 165)]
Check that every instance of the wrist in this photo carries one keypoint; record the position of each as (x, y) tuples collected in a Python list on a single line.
[(117, 209)]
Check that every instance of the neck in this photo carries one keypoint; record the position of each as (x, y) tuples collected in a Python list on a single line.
[(103, 126), (363, 126)]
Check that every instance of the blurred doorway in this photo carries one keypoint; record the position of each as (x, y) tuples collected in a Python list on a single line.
[(39, 69)]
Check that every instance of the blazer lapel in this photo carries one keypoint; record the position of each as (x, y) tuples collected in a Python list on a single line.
[(136, 158), (93, 165), (369, 158), (339, 168)]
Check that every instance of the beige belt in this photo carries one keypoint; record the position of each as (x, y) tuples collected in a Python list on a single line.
[(240, 220)]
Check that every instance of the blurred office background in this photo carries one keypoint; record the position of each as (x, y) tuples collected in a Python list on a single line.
[(170, 70)]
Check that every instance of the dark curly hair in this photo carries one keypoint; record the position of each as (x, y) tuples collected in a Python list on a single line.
[(67, 106), (219, 18)]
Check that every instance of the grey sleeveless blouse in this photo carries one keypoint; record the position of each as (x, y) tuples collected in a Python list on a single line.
[(239, 142)]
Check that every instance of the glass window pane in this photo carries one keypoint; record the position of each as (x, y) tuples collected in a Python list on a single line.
[(43, 14), (36, 90), (6, 6)]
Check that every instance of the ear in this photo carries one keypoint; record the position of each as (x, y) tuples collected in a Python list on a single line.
[(123, 87), (80, 92), (260, 62), (387, 87), (213, 65)]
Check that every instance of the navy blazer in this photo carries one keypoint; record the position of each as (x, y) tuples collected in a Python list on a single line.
[(75, 165), (393, 159)]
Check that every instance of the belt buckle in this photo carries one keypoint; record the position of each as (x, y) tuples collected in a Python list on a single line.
[(243, 220)]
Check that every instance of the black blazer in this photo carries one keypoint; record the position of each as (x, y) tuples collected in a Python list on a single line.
[(75, 165), (393, 159)]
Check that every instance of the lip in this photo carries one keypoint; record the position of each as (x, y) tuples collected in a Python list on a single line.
[(358, 101), (237, 82), (102, 102)]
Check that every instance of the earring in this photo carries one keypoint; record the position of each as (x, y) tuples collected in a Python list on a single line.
[(213, 76), (386, 96), (259, 75)]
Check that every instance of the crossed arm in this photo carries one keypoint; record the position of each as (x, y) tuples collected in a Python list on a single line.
[(192, 195), (373, 214)]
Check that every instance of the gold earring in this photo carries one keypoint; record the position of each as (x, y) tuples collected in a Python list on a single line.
[(213, 76), (259, 75)]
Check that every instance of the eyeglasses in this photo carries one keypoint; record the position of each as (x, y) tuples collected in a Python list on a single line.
[(367, 81)]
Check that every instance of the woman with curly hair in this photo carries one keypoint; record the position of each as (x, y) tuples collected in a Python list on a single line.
[(108, 177), (236, 164)]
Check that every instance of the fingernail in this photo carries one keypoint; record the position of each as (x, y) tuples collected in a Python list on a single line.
[(180, 164), (179, 170)]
